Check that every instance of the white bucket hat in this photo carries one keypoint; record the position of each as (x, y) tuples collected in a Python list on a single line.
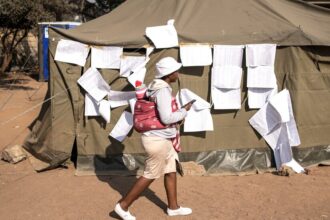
[(166, 66)]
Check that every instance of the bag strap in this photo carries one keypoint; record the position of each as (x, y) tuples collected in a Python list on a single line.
[(179, 89)]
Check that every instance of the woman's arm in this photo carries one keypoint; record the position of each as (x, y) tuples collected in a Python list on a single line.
[(164, 107)]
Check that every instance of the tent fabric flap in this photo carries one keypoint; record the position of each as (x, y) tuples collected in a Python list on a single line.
[(284, 22), (221, 162)]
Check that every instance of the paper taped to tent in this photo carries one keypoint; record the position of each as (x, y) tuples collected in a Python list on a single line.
[(300, 62)]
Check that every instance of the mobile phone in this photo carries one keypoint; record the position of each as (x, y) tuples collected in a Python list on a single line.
[(192, 101)]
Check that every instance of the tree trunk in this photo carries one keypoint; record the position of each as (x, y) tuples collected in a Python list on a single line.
[(9, 42), (7, 58)]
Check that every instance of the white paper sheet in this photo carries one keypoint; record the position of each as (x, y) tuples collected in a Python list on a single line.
[(106, 57), (121, 95), (198, 121), (196, 55), (120, 98), (228, 55), (93, 83), (258, 97), (293, 135), (116, 104), (260, 54), (123, 126), (265, 121), (199, 117), (278, 140), (149, 50), (132, 104), (71, 52), (261, 77), (137, 75), (91, 106), (129, 63), (226, 77), (164, 36), (274, 116), (279, 135), (226, 98), (295, 166), (105, 110), (282, 104), (188, 95)]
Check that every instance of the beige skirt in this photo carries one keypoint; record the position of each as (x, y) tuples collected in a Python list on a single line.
[(161, 156)]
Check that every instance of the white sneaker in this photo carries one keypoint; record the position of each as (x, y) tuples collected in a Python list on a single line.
[(125, 215), (179, 211)]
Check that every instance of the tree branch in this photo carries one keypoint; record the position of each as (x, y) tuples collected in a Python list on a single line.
[(26, 31), (4, 38), (13, 40)]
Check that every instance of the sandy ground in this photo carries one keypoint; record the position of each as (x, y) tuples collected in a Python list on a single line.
[(59, 194)]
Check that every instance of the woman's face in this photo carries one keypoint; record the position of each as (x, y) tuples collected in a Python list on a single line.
[(174, 76)]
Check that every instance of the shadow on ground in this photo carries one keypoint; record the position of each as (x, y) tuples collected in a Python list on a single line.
[(17, 82), (123, 184)]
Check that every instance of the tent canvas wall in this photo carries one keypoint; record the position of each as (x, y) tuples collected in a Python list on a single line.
[(302, 66)]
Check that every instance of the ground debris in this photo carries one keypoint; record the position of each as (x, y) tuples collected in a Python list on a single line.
[(288, 171), (193, 169), (13, 154)]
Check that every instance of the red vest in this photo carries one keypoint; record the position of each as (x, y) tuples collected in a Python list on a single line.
[(146, 118)]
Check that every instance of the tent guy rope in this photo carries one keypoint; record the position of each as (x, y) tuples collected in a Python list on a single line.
[(33, 107)]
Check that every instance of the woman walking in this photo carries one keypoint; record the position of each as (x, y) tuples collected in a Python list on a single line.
[(158, 144)]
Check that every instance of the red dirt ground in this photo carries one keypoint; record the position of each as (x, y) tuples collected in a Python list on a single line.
[(59, 194)]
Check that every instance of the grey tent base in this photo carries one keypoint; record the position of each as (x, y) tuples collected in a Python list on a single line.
[(214, 162)]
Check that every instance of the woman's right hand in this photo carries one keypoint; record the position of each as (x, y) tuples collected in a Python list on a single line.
[(188, 106)]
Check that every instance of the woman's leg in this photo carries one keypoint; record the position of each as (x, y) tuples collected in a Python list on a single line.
[(140, 185), (170, 187), (173, 207)]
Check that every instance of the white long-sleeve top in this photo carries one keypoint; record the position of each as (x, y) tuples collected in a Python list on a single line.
[(161, 92)]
